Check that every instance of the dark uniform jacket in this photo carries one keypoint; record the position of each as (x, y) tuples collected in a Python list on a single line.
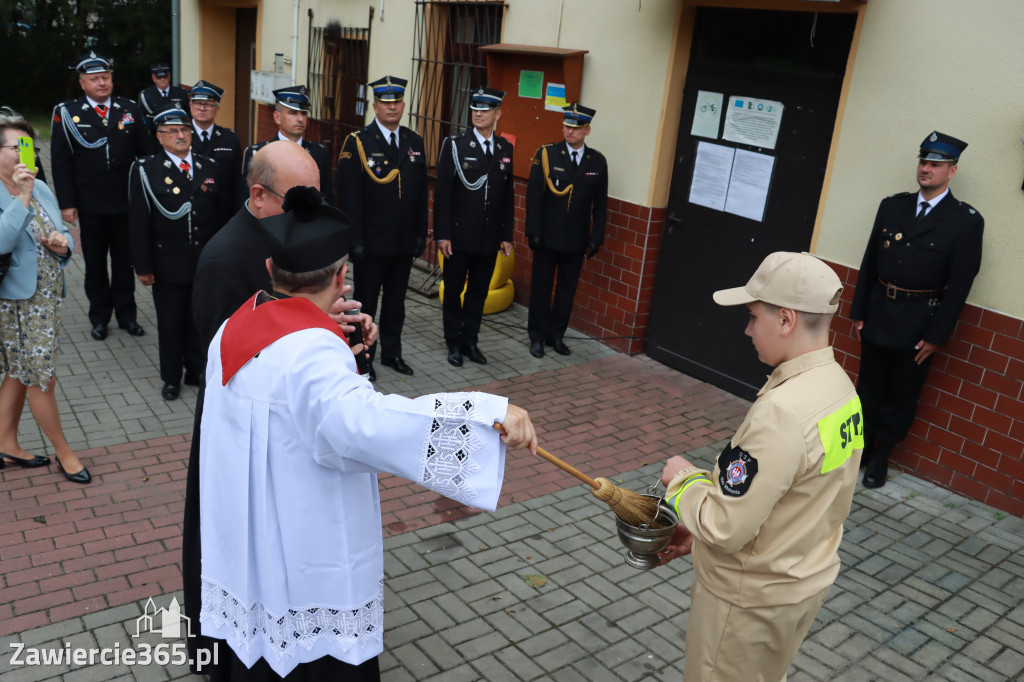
[(384, 194), (152, 101), (162, 244), (562, 200), (91, 160), (232, 267), (476, 221), (942, 250), (225, 148), (315, 149)]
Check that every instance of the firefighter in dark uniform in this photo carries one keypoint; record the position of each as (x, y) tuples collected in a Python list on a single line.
[(921, 259), (161, 93), (95, 139), (216, 142), (291, 114), (566, 207), (474, 198), (382, 187), (178, 201)]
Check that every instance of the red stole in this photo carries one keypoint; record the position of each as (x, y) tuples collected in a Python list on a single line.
[(255, 326)]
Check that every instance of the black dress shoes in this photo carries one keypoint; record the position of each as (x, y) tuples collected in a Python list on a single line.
[(133, 328), (474, 354), (878, 465), (170, 391), (397, 364), (559, 347), (537, 349), (36, 461), (454, 357), (82, 476), (99, 332)]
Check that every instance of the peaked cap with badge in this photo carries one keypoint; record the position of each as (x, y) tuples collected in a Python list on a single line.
[(204, 90), (941, 147), (483, 99), (91, 62), (294, 97), (389, 89), (160, 69), (172, 115), (576, 115)]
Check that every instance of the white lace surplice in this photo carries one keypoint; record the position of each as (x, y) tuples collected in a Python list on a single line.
[(293, 561)]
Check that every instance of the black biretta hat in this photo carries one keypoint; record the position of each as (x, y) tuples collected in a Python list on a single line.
[(309, 235)]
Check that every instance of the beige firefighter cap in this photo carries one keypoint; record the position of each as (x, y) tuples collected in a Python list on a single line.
[(789, 280)]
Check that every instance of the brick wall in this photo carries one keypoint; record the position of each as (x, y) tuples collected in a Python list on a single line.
[(969, 431)]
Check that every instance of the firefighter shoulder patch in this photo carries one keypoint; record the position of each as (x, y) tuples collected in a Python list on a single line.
[(737, 469)]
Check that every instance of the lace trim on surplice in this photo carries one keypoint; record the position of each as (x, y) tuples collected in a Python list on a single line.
[(447, 460), (304, 626)]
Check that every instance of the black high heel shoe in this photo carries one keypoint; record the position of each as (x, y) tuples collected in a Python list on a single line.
[(36, 461), (82, 476)]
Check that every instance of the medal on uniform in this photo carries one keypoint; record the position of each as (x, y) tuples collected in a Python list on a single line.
[(899, 236), (369, 163), (176, 190), (120, 126), (885, 244), (501, 166), (465, 165), (75, 119), (168, 181)]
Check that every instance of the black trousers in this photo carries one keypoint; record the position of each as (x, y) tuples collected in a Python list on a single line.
[(113, 293), (889, 385), (390, 274), (176, 331), (462, 319), (324, 669), (549, 319)]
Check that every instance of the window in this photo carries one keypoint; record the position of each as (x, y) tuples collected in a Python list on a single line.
[(337, 70), (448, 65)]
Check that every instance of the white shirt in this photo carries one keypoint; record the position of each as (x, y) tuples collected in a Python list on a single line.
[(176, 160), (291, 520), (481, 139), (932, 203), (200, 131), (93, 103), (281, 136), (387, 133), (577, 152)]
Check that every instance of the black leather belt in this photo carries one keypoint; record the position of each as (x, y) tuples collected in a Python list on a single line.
[(895, 293)]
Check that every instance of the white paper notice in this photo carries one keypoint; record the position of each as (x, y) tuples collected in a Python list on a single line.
[(710, 183), (748, 186), (753, 121), (707, 114)]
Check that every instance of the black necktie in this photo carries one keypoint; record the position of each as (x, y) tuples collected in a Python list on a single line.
[(575, 161), (206, 137), (394, 143), (923, 211), (487, 149), (164, 93)]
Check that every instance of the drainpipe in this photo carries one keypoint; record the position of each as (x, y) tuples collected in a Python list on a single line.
[(295, 39), (175, 41)]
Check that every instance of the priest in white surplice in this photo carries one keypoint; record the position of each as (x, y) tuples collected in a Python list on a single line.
[(292, 441)]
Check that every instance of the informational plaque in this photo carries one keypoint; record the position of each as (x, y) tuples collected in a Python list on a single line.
[(754, 122), (531, 84), (554, 98)]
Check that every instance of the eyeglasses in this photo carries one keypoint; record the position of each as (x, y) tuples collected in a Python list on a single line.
[(281, 196), (199, 104), (9, 146)]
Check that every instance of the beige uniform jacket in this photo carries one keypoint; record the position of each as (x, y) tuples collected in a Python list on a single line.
[(769, 519)]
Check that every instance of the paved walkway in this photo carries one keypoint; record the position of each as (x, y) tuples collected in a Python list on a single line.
[(932, 585)]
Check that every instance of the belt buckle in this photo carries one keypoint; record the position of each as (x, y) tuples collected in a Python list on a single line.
[(890, 292)]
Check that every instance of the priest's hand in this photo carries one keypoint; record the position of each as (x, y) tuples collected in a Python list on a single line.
[(518, 429), (147, 279)]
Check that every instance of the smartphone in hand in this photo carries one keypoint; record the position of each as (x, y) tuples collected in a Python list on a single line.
[(27, 152)]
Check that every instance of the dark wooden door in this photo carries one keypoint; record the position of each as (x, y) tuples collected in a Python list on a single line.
[(765, 55)]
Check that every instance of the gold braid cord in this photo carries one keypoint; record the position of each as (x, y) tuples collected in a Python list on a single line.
[(547, 178), (387, 179)]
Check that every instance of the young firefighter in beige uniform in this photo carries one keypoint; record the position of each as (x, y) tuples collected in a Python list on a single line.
[(765, 525)]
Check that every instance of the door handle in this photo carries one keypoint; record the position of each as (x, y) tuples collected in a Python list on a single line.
[(673, 218)]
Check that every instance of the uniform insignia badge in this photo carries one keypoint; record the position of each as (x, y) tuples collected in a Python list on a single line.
[(75, 119), (971, 211), (168, 181), (176, 190), (465, 165), (501, 166), (556, 182), (167, 163), (120, 126), (885, 244), (127, 118), (933, 137), (369, 162), (472, 144), (737, 469), (899, 236)]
